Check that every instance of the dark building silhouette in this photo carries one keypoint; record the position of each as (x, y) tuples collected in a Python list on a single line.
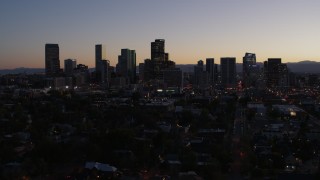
[(272, 71), (210, 68), (313, 80), (52, 61), (102, 64), (216, 73), (249, 69), (158, 50), (276, 73), (200, 76), (198, 70), (126, 66), (100, 54), (283, 75), (293, 80), (172, 77), (141, 71), (105, 75), (166, 56), (153, 68), (81, 75), (148, 70), (69, 66), (228, 72)]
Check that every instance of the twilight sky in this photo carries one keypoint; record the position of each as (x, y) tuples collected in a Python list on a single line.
[(193, 29)]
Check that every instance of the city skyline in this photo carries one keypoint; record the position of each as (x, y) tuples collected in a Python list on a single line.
[(193, 30)]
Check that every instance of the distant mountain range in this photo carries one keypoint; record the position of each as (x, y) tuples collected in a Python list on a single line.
[(298, 67), (305, 67), (22, 70)]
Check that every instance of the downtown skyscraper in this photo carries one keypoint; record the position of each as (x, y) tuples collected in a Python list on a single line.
[(52, 61), (158, 50), (210, 69), (102, 65), (228, 72), (69, 66), (276, 73), (249, 69), (126, 66), (100, 54), (200, 76), (153, 68)]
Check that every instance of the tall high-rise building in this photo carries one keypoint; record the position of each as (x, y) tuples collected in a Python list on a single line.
[(100, 54), (101, 63), (249, 59), (200, 76), (126, 66), (158, 50), (104, 73), (198, 69), (153, 68), (249, 68), (272, 71), (277, 74), (228, 71), (69, 66), (52, 61), (210, 70)]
